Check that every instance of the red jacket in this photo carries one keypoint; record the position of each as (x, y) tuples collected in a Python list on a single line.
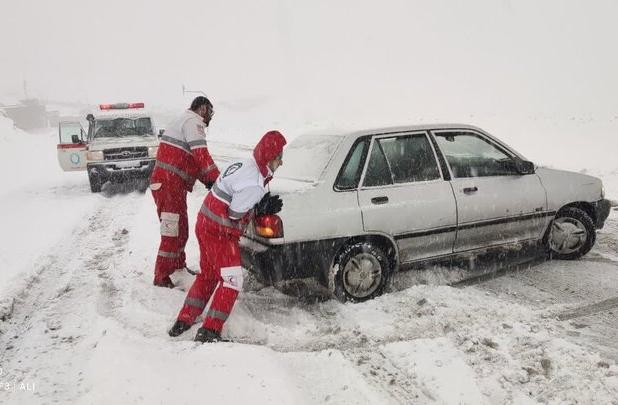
[(228, 206), (183, 153)]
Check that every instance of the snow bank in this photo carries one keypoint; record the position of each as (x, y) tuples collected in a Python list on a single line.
[(29, 160), (40, 206)]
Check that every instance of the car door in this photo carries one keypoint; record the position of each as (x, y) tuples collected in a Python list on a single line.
[(495, 203), (72, 148), (403, 194)]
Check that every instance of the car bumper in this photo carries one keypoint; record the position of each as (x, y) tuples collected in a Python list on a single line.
[(274, 263), (601, 208), (122, 170)]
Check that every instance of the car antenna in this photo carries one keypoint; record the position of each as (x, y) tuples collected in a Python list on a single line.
[(185, 91)]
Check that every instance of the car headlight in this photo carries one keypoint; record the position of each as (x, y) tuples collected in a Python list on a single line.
[(94, 155), (152, 151)]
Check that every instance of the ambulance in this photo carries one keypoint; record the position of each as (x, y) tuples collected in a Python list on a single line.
[(120, 144)]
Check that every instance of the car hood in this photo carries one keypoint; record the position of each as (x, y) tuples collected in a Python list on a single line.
[(571, 177), (564, 186), (129, 141)]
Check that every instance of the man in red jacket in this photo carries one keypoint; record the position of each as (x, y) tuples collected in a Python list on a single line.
[(181, 159), (237, 196)]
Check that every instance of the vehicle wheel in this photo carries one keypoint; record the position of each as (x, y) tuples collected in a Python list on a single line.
[(143, 185), (364, 270), (571, 234), (95, 183)]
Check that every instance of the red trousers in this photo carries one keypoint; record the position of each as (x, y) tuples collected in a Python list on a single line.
[(171, 200), (220, 277)]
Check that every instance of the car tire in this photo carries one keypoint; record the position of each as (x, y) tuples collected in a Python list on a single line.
[(571, 234), (364, 271), (95, 183)]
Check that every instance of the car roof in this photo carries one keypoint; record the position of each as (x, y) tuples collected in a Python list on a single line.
[(408, 128), (355, 134)]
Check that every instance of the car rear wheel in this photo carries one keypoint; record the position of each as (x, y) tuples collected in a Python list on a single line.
[(571, 234), (364, 270)]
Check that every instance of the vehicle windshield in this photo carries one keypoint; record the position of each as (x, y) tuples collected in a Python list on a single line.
[(121, 127), (306, 157)]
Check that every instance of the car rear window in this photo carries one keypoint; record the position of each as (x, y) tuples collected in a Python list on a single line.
[(306, 157)]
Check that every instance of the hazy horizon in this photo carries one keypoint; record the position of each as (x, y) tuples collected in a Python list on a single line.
[(540, 57), (331, 63)]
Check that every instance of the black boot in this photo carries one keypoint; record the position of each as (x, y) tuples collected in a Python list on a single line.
[(166, 282), (207, 336), (178, 328)]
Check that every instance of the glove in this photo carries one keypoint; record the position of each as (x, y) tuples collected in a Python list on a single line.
[(209, 184), (268, 205)]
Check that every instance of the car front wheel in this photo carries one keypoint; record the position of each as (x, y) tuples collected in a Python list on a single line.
[(571, 234), (95, 183), (364, 270)]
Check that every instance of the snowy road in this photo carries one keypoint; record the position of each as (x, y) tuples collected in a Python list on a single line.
[(583, 294), (84, 324)]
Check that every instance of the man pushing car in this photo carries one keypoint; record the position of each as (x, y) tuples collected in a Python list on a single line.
[(238, 195)]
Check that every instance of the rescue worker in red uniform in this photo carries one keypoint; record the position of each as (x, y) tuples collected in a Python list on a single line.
[(237, 196), (181, 159)]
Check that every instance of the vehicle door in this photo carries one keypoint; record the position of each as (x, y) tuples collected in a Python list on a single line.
[(403, 194), (495, 203), (72, 148)]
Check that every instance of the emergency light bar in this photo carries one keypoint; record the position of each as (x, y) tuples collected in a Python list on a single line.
[(120, 106)]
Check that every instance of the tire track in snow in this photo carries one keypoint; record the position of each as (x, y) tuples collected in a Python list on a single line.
[(47, 337), (363, 353), (380, 371), (582, 293), (585, 310)]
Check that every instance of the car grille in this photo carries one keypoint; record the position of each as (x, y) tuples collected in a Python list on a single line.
[(125, 153)]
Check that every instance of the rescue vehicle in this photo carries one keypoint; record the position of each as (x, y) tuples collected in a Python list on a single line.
[(120, 144)]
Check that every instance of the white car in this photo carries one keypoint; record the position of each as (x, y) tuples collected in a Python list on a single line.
[(120, 144), (359, 206)]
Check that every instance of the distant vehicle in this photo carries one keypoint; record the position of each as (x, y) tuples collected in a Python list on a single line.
[(120, 144), (360, 206)]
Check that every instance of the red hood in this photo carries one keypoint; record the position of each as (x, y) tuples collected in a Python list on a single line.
[(267, 149)]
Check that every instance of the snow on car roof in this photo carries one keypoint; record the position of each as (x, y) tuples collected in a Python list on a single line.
[(408, 128), (426, 127), (318, 147), (358, 132)]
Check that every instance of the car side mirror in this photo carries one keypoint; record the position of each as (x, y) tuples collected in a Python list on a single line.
[(524, 166), (161, 132), (75, 139)]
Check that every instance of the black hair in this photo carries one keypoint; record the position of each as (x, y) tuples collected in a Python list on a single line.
[(200, 101)]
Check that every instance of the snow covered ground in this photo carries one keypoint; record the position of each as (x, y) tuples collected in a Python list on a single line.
[(81, 322)]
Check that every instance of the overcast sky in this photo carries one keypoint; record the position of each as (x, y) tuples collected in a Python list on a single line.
[(484, 56)]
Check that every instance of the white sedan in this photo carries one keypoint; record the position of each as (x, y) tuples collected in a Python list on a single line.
[(359, 206)]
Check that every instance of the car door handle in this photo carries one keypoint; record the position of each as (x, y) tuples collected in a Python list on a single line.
[(379, 200), (470, 190)]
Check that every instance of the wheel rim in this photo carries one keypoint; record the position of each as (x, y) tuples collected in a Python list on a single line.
[(568, 235), (362, 275)]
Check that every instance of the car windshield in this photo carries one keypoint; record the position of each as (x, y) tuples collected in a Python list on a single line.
[(120, 127), (306, 157)]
